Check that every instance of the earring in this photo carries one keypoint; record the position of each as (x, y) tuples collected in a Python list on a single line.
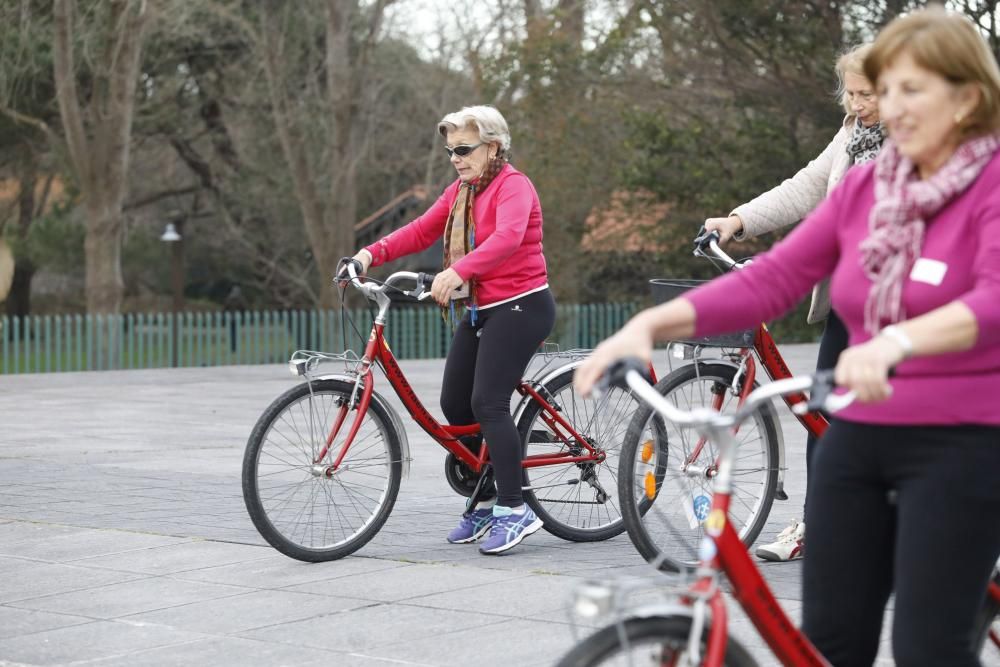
[(959, 118)]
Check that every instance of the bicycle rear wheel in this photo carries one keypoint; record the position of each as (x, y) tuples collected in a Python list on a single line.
[(576, 501), (646, 642), (301, 507), (654, 455)]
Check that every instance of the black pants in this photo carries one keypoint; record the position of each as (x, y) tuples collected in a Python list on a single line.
[(910, 510), (486, 362), (831, 344)]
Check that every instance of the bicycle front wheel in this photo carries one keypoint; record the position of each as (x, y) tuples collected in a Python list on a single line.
[(576, 501), (646, 642), (663, 507), (301, 506)]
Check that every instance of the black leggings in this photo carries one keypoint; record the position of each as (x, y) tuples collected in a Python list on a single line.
[(910, 510), (484, 365), (831, 344)]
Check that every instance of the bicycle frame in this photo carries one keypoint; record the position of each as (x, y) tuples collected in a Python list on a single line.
[(776, 369), (377, 351)]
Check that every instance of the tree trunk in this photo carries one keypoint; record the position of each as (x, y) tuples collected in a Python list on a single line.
[(19, 298), (103, 249), (100, 153)]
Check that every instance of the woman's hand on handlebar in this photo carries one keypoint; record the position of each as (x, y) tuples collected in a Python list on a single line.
[(444, 284), (363, 260), (726, 227), (634, 340), (865, 368)]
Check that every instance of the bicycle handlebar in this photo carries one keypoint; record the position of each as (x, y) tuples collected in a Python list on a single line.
[(348, 271), (631, 372), (707, 243)]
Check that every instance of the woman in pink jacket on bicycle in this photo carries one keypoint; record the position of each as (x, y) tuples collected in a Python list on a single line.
[(491, 222)]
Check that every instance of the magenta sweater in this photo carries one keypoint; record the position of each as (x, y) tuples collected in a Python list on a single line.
[(507, 260), (955, 388)]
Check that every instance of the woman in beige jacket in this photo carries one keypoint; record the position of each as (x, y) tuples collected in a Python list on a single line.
[(858, 141)]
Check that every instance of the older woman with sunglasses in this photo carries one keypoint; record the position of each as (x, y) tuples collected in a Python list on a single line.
[(491, 222)]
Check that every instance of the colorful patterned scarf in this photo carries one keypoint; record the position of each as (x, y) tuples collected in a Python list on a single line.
[(903, 204), (865, 142), (460, 230)]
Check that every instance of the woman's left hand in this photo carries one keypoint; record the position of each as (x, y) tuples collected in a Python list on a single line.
[(865, 368), (444, 284)]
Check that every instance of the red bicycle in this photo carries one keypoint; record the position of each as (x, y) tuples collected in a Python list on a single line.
[(690, 625), (665, 482), (323, 464), (692, 629)]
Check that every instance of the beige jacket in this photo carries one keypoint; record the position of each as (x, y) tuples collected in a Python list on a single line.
[(795, 198)]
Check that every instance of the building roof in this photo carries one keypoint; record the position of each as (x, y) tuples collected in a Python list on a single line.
[(407, 199)]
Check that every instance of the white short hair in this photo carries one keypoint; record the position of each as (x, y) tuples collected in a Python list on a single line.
[(490, 123)]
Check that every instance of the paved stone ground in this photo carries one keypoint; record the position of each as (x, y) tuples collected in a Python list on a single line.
[(124, 541)]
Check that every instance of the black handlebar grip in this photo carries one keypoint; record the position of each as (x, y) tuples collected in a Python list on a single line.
[(614, 376), (823, 385), (425, 279), (705, 238), (341, 273)]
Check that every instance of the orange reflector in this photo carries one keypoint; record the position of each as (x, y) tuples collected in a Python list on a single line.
[(650, 484), (647, 451)]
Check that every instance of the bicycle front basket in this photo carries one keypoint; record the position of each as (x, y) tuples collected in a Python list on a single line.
[(665, 289)]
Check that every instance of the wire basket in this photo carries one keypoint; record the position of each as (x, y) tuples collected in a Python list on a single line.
[(665, 289)]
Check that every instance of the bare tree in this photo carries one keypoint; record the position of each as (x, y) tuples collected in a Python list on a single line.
[(345, 94), (97, 128)]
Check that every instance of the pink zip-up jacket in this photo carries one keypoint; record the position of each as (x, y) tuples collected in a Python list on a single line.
[(959, 261), (507, 260)]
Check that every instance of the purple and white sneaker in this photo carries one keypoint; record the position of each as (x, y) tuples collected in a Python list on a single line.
[(474, 525), (509, 529)]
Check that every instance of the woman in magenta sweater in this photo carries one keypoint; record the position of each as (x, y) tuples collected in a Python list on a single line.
[(907, 475), (491, 223)]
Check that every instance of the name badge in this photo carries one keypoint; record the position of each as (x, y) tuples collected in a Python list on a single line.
[(930, 271)]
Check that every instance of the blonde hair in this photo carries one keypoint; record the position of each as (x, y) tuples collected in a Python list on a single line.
[(851, 61), (486, 119), (949, 45)]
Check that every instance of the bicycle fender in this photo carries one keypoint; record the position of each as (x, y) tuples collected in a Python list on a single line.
[(543, 380), (397, 423), (667, 609), (779, 490)]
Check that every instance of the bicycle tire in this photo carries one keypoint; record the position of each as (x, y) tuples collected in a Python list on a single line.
[(988, 619), (670, 532), (653, 641), (569, 505), (314, 517)]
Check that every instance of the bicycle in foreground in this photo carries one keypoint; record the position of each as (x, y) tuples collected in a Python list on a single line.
[(659, 457), (323, 464), (689, 626)]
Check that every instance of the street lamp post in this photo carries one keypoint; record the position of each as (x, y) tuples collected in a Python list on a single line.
[(173, 234)]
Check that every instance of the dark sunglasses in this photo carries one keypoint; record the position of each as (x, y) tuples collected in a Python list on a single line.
[(463, 150)]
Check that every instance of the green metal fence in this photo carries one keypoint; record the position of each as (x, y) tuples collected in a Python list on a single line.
[(53, 343)]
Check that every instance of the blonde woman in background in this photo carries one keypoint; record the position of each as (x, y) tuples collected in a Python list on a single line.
[(858, 141)]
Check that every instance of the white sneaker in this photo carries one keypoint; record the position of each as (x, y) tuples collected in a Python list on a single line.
[(789, 545)]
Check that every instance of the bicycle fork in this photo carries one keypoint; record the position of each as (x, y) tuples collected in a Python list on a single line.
[(363, 384)]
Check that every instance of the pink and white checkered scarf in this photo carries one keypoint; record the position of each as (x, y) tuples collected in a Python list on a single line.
[(903, 204)]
